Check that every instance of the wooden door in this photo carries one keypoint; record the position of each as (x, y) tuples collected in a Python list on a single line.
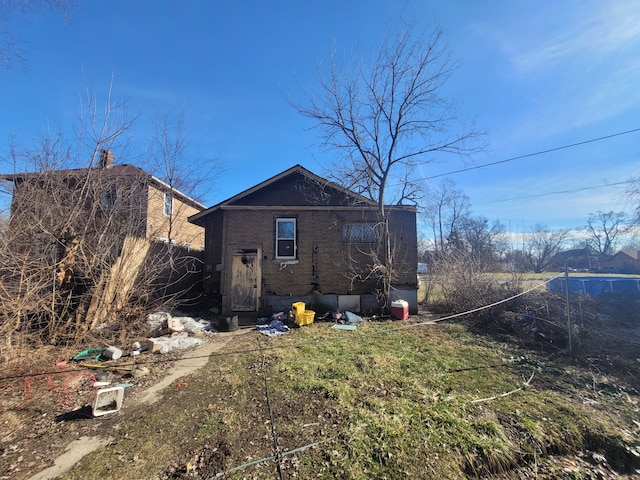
[(245, 272)]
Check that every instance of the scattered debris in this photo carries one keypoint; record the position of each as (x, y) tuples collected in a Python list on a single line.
[(228, 324), (177, 341), (105, 367), (139, 372), (112, 353), (107, 400), (301, 315), (400, 309), (276, 327), (91, 353), (353, 318), (339, 326), (156, 322)]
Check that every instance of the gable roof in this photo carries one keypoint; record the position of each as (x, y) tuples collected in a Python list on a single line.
[(122, 170), (325, 194), (633, 254)]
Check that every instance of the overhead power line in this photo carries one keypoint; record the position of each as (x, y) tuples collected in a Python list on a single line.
[(541, 152), (561, 192)]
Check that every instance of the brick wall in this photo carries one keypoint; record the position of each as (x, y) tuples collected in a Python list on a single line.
[(324, 261)]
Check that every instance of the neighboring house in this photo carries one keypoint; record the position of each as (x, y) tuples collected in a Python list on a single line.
[(123, 199), (78, 238), (622, 262), (579, 258), (298, 237)]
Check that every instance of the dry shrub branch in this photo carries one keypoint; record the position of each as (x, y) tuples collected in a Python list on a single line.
[(77, 251)]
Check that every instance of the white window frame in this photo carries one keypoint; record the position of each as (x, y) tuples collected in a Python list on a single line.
[(280, 220), (167, 207), (361, 232)]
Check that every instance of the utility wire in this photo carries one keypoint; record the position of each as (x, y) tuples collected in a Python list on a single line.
[(561, 192), (541, 152)]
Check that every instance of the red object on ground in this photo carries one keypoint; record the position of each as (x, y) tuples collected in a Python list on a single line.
[(400, 310)]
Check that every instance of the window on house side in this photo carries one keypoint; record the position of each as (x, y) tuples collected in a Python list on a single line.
[(108, 200), (168, 204), (286, 246), (359, 233)]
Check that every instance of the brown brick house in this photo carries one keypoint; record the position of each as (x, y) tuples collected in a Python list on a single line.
[(627, 262), (298, 237)]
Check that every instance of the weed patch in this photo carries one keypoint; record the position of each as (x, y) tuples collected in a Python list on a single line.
[(423, 402)]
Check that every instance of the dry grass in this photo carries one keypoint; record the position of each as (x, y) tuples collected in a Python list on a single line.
[(383, 403)]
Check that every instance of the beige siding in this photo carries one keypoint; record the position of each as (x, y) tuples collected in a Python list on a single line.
[(176, 226)]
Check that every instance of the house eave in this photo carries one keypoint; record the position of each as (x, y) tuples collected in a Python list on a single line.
[(198, 218)]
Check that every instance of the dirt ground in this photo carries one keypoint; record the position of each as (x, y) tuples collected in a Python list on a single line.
[(47, 427), (46, 419)]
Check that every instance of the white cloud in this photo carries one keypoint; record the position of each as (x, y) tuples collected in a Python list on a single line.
[(592, 36), (573, 64)]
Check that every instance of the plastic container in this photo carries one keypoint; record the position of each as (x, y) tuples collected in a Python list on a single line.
[(305, 318), (107, 400), (400, 310), (112, 353), (298, 308)]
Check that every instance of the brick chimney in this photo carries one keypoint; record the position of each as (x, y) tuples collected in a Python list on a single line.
[(106, 159)]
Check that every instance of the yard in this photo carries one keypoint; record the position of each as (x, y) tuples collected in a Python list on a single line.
[(389, 400)]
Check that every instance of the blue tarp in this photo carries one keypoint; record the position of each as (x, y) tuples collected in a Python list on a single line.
[(594, 285)]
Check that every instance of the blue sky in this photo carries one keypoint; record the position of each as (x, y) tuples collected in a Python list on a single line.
[(534, 74)]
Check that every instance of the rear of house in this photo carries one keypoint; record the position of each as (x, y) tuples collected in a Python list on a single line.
[(298, 237)]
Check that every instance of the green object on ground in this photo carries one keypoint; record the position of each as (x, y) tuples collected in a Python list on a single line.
[(344, 327), (91, 353)]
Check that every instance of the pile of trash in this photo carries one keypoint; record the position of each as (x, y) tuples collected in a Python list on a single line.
[(299, 316), (169, 333), (165, 333)]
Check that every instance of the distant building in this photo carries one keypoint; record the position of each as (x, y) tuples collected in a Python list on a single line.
[(622, 262), (579, 259)]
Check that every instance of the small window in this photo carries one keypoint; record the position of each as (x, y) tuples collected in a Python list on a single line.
[(359, 233), (286, 238), (108, 200), (168, 204)]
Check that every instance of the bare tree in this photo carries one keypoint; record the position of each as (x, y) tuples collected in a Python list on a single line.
[(444, 209), (542, 244), (77, 250), (604, 229), (633, 199), (483, 240), (11, 48), (170, 164), (387, 117)]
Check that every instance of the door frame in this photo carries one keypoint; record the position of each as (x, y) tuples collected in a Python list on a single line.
[(232, 250)]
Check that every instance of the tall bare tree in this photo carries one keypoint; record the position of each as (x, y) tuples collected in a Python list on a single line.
[(542, 244), (633, 200), (170, 164), (483, 240), (386, 117), (604, 229), (444, 209)]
